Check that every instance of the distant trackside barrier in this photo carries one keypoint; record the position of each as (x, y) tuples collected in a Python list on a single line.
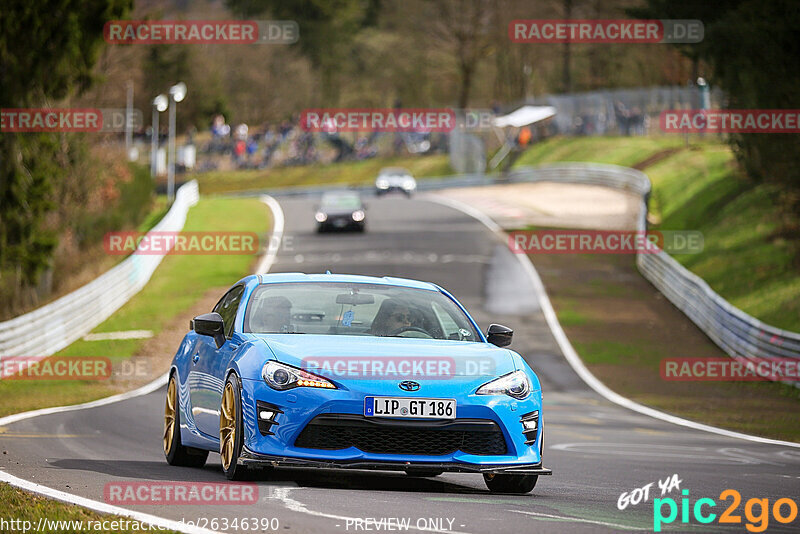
[(54, 326), (740, 335)]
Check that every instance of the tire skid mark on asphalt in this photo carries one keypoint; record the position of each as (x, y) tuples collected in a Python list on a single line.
[(283, 496), (566, 429)]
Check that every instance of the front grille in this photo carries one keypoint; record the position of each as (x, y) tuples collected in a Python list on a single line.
[(432, 438)]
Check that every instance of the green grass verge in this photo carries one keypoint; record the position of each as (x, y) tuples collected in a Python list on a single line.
[(623, 328), (176, 285), (351, 173), (626, 151), (26, 509), (700, 188)]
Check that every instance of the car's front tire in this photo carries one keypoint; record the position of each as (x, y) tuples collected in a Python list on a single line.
[(176, 453), (231, 430), (510, 483)]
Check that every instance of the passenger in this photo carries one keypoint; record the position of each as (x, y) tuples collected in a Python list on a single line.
[(274, 316)]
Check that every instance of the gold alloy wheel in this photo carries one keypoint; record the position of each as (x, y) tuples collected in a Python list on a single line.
[(169, 416), (227, 426)]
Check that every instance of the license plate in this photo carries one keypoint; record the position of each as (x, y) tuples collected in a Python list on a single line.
[(410, 407)]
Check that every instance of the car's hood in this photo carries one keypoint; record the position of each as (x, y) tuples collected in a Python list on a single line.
[(343, 357)]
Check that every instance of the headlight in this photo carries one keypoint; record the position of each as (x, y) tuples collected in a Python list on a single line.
[(382, 184), (409, 184), (358, 215), (281, 377), (514, 384), (321, 217)]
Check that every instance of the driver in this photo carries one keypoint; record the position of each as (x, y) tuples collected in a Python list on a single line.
[(399, 318), (392, 317)]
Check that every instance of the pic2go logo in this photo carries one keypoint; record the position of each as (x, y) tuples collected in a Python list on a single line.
[(702, 513)]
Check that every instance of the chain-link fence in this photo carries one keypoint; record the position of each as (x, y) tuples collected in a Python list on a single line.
[(622, 111)]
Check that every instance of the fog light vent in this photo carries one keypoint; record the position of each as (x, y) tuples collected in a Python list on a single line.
[(530, 425), (267, 416)]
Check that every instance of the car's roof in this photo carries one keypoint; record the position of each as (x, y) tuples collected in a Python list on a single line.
[(347, 278)]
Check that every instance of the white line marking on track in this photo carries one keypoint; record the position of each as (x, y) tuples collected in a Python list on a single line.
[(278, 222), (144, 390), (161, 381), (569, 352), (282, 495), (125, 334), (101, 507), (577, 520)]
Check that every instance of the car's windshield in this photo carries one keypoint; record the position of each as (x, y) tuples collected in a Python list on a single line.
[(356, 309), (341, 201), (394, 173)]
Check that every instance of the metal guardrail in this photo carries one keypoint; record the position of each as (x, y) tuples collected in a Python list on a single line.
[(740, 335), (54, 326)]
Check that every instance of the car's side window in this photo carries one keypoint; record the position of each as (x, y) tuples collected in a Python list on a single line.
[(227, 307)]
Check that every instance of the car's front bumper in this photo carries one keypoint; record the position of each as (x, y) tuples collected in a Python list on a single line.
[(251, 458), (300, 406), (394, 189), (341, 222)]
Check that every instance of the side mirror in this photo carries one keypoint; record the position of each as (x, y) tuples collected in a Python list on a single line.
[(211, 324), (499, 335)]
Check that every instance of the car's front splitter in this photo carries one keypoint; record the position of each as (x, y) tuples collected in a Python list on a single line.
[(251, 458)]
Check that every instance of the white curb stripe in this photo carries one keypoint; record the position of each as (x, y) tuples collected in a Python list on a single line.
[(569, 352), (125, 334), (277, 235), (282, 494), (97, 506), (577, 520), (101, 507), (144, 390)]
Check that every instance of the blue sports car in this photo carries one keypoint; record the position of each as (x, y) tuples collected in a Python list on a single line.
[(346, 371)]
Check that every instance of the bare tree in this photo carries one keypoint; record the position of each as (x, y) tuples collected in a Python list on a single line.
[(463, 27)]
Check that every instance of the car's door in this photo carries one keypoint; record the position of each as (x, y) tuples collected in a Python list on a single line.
[(206, 377)]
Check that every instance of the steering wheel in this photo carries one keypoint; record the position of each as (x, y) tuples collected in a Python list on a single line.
[(409, 329)]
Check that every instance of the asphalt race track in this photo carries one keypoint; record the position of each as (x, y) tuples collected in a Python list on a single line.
[(596, 449)]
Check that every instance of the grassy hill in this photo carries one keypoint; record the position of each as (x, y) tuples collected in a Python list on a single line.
[(699, 187)]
